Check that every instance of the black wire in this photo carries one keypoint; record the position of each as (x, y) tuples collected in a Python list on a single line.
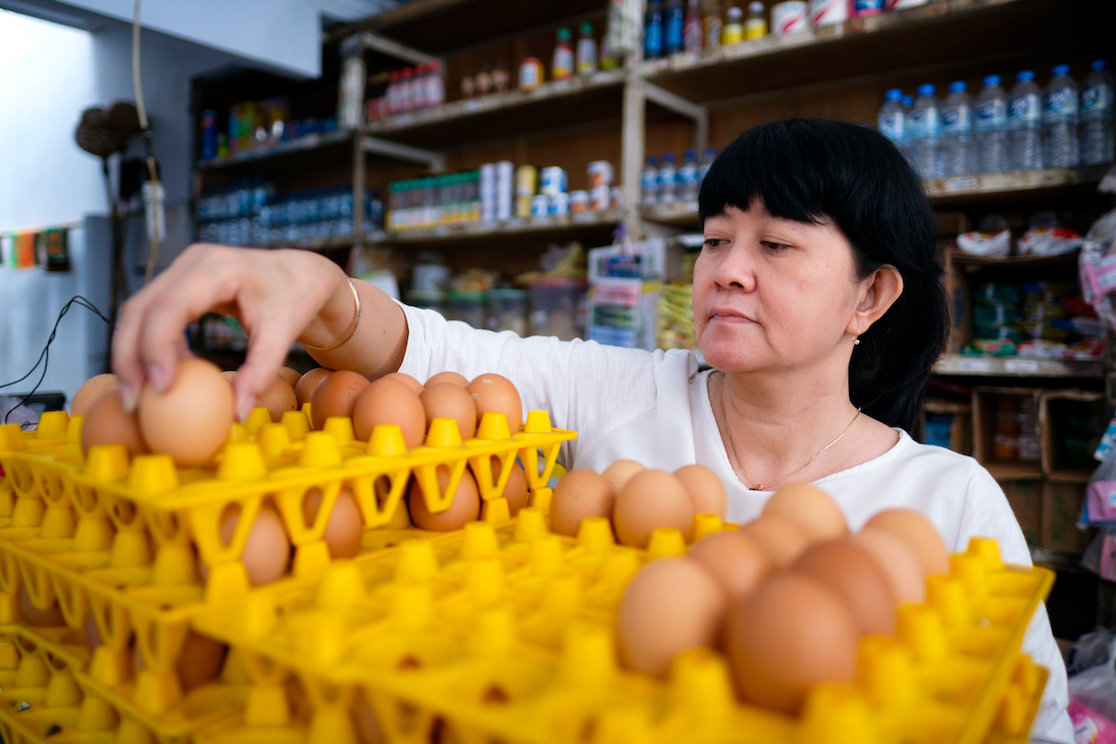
[(44, 356)]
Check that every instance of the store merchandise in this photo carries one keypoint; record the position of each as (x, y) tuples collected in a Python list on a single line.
[(425, 203), (1097, 115), (674, 24), (687, 177), (924, 130), (828, 12), (892, 119), (707, 158), (712, 24), (990, 125), (692, 30), (1025, 122), (1059, 120), (790, 16), (409, 89), (564, 63), (957, 129), (649, 182), (756, 25), (667, 178), (867, 7), (903, 4), (531, 74), (732, 32), (586, 50), (653, 30)]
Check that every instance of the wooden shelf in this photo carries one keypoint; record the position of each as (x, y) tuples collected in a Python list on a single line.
[(301, 145), (479, 232), (1013, 471), (933, 35), (971, 262), (960, 364), (1013, 184)]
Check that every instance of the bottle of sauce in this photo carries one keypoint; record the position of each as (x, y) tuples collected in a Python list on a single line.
[(586, 50), (563, 67), (711, 22), (756, 25), (692, 31), (733, 30)]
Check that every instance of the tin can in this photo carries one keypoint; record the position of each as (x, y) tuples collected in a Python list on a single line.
[(540, 205), (600, 173), (552, 180), (579, 202), (902, 4), (558, 204), (505, 175), (867, 7), (530, 74), (523, 206), (828, 12), (600, 198), (789, 16), (616, 197), (526, 179)]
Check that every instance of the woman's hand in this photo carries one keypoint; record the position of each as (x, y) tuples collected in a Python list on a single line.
[(277, 295)]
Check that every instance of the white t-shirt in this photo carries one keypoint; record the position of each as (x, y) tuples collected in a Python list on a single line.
[(653, 407)]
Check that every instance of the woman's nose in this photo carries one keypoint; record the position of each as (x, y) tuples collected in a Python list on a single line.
[(736, 269)]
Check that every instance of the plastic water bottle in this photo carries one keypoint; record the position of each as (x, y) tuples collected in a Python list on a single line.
[(674, 23), (990, 126), (1024, 119), (957, 132), (925, 129), (649, 182), (1096, 115), (707, 159), (892, 119), (1059, 120), (688, 177), (653, 31), (667, 173)]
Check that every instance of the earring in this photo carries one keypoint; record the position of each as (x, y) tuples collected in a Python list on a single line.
[(856, 342)]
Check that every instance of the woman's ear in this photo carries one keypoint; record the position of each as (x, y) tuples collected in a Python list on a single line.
[(881, 291)]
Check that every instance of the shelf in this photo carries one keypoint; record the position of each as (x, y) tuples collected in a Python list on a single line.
[(1012, 184), (971, 262), (560, 103), (1013, 471), (284, 149), (959, 364), (937, 34), (680, 213), (471, 232)]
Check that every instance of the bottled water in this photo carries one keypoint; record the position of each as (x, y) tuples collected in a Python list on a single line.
[(1059, 120), (649, 182), (925, 128), (957, 132), (1024, 117), (667, 174), (707, 158), (1096, 115), (990, 126), (688, 177), (892, 119)]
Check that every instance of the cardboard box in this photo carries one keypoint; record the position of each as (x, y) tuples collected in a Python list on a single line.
[(1025, 498), (947, 424), (960, 308), (1072, 422), (1006, 432), (1061, 507)]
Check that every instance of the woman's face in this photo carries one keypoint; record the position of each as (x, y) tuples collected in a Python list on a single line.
[(772, 293)]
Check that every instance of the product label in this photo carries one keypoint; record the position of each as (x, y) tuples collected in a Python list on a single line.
[(1096, 98), (991, 116), (892, 126), (956, 120), (1024, 108), (924, 123), (1060, 103)]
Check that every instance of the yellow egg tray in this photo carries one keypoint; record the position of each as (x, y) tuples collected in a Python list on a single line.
[(507, 633)]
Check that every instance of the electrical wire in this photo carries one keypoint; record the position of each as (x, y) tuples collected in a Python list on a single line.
[(152, 170), (44, 356)]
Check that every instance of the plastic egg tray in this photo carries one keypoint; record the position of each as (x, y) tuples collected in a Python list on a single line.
[(508, 634), (128, 543)]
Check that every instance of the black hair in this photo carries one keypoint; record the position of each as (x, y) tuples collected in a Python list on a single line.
[(812, 170)]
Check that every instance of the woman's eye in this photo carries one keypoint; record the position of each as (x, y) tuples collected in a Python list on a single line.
[(713, 243), (773, 246)]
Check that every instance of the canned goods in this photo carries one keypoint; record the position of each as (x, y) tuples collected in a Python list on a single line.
[(504, 175), (530, 74), (526, 178), (901, 4), (600, 173), (828, 12), (552, 180), (559, 203), (540, 205), (616, 197), (867, 7), (600, 198), (209, 134), (789, 16), (579, 201), (523, 206)]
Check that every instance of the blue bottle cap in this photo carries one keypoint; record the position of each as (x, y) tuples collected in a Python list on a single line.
[(894, 94), (991, 81), (691, 154), (652, 160), (1100, 64), (957, 86), (1060, 70), (1025, 76), (926, 89)]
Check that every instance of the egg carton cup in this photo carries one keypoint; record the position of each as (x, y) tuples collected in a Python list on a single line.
[(47, 696), (508, 633)]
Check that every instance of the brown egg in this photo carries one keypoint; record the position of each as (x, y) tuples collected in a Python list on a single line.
[(811, 507), (191, 419), (493, 392), (454, 378), (783, 539), (278, 398), (200, 660), (515, 490), (336, 395), (917, 533), (736, 562), (852, 574), (670, 606), (90, 390), (789, 634), (579, 494), (389, 401), (464, 508), (651, 499), (899, 563), (308, 383), (107, 423), (344, 529), (267, 551), (414, 385), (289, 375), (620, 471), (447, 400), (706, 490)]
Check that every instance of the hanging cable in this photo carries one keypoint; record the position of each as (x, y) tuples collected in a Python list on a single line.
[(152, 169)]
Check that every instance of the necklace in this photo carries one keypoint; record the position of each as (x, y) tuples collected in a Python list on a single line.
[(781, 478)]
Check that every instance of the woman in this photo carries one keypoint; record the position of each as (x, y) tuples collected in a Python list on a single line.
[(817, 301)]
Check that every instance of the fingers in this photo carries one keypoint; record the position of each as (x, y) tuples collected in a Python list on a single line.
[(266, 354)]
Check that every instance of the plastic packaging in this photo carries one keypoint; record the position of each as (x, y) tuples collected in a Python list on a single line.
[(649, 182), (692, 30), (667, 174), (712, 24), (892, 119), (1097, 115), (586, 50), (688, 177), (707, 158), (674, 23), (653, 31), (990, 127), (957, 132), (563, 66), (756, 25), (1059, 120), (924, 130), (733, 30), (1024, 123)]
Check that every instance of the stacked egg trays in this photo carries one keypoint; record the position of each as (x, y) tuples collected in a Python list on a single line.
[(129, 552)]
